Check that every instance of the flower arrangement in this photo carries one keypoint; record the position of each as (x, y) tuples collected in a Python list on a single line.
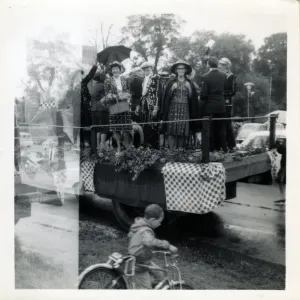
[(136, 160), (244, 152)]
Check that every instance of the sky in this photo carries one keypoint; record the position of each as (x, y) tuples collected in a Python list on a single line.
[(255, 21), (255, 26)]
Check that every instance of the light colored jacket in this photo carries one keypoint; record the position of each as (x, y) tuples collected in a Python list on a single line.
[(143, 242)]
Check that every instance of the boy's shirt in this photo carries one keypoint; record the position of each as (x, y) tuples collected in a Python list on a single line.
[(143, 241)]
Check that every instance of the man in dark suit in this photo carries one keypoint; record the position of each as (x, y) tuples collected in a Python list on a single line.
[(136, 85), (212, 95), (230, 90)]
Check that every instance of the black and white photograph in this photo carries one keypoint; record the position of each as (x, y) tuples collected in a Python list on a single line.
[(150, 148)]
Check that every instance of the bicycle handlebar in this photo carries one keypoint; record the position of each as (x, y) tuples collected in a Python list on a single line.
[(166, 253), (162, 252)]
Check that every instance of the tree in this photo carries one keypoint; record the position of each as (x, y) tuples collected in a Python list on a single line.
[(99, 39), (51, 62), (192, 49), (235, 47), (272, 63), (152, 35)]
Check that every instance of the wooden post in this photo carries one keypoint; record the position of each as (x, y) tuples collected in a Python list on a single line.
[(93, 139), (273, 118), (205, 140)]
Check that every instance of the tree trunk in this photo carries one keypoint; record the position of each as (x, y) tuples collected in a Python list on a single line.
[(157, 58)]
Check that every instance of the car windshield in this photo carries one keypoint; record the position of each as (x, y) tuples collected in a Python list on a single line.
[(279, 126), (261, 139)]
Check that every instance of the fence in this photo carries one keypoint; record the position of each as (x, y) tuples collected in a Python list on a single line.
[(205, 139)]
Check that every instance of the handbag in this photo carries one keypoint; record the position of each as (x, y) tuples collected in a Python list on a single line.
[(120, 106)]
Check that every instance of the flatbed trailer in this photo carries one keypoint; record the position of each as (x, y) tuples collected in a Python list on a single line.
[(130, 197)]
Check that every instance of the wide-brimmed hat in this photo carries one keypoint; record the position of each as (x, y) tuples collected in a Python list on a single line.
[(116, 64), (181, 62), (146, 64)]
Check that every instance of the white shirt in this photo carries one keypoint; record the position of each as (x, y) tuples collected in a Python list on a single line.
[(145, 84), (118, 83)]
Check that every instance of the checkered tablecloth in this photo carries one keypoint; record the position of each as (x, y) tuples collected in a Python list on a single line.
[(87, 173), (51, 104), (275, 159), (194, 188)]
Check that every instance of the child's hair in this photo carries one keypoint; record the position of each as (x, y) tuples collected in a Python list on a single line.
[(153, 211)]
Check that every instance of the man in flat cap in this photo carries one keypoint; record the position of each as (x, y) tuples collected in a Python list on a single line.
[(230, 90), (149, 105)]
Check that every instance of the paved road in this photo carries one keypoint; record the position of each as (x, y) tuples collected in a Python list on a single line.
[(46, 246), (239, 246), (251, 223)]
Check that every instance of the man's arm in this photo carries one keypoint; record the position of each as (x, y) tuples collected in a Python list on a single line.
[(91, 75)]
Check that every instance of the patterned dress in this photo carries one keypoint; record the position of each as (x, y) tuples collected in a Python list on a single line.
[(121, 121), (179, 109)]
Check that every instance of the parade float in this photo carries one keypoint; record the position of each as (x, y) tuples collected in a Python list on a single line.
[(190, 180), (179, 181)]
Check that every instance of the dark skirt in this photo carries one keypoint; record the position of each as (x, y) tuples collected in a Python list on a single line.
[(120, 122), (101, 118), (178, 111)]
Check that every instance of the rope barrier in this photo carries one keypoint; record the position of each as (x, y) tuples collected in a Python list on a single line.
[(142, 123)]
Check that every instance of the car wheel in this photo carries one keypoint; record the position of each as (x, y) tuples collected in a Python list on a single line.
[(126, 214), (255, 179)]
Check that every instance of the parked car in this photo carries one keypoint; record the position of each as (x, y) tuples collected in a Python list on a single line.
[(250, 128), (281, 116), (261, 139), (279, 126), (246, 130)]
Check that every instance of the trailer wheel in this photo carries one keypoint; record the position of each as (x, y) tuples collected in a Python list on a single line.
[(126, 214)]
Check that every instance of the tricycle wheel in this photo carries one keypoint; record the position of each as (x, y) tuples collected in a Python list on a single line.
[(102, 278), (126, 214), (184, 286)]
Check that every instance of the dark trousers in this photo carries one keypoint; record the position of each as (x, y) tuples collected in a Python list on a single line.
[(151, 136), (229, 130), (218, 133), (151, 132)]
